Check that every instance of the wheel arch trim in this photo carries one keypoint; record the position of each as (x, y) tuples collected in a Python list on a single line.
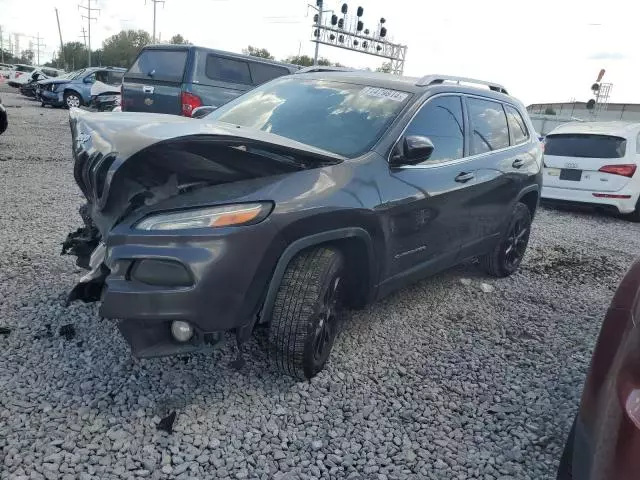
[(309, 241)]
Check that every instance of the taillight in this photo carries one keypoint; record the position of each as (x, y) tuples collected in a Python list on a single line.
[(624, 170), (189, 101), (18, 74)]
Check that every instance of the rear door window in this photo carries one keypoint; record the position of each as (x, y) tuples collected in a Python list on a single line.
[(261, 72), (585, 145), (489, 129), (156, 64), (517, 127), (227, 70)]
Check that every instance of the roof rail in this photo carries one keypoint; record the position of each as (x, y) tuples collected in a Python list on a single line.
[(322, 68), (439, 79)]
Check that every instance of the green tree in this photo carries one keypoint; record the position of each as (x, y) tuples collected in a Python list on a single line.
[(549, 111), (73, 56), (257, 52), (27, 57), (7, 57), (384, 68), (307, 61), (121, 49), (178, 39)]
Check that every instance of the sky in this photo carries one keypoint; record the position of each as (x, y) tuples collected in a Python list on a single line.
[(542, 51)]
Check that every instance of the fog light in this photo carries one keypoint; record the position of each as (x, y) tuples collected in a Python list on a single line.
[(181, 331)]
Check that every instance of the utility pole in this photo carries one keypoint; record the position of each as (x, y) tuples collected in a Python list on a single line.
[(155, 3), (1, 45), (16, 44), (38, 46), (61, 56), (88, 17), (318, 22)]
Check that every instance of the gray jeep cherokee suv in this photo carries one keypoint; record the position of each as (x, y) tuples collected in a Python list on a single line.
[(313, 192)]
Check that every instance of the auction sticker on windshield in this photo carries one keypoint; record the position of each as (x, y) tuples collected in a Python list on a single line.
[(394, 95)]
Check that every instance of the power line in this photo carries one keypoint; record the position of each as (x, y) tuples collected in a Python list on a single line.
[(155, 3), (88, 17)]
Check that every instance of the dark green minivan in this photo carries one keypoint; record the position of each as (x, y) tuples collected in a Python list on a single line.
[(176, 79)]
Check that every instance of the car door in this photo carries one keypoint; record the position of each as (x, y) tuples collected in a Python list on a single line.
[(153, 84), (497, 167), (424, 204), (84, 87)]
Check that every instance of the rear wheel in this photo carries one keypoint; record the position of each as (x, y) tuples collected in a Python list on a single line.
[(304, 322), (509, 252), (72, 100)]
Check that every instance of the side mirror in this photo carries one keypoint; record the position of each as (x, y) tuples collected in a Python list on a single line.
[(203, 111), (412, 150), (88, 80)]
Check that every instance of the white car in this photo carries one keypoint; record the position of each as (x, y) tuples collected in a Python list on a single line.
[(20, 75), (5, 70), (594, 163)]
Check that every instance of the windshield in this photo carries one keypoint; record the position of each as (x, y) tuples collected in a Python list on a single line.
[(73, 75), (343, 118)]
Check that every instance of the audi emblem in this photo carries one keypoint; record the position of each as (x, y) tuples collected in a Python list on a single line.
[(571, 165)]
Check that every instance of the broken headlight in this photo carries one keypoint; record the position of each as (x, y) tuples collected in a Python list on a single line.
[(210, 217)]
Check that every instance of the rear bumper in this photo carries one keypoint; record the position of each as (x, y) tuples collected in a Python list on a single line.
[(216, 282), (586, 197), (52, 98)]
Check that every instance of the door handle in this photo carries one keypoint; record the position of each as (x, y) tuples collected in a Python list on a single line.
[(464, 177), (517, 163)]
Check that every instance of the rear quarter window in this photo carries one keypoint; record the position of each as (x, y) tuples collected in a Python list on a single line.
[(227, 70), (164, 65), (261, 72), (585, 145)]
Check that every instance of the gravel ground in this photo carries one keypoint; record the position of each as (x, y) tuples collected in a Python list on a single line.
[(460, 376)]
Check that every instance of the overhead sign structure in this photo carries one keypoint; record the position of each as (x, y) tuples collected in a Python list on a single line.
[(349, 33)]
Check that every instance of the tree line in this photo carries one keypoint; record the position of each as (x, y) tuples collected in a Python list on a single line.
[(121, 49)]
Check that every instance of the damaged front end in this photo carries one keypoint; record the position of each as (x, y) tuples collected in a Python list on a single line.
[(131, 167)]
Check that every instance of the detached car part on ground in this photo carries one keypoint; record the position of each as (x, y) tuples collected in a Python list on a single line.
[(307, 194), (604, 441)]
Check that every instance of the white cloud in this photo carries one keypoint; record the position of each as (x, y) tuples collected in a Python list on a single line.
[(542, 51)]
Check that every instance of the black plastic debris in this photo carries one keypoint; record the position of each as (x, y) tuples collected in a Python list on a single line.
[(4, 331), (166, 424), (67, 331)]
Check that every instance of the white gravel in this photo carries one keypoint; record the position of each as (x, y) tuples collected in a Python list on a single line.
[(460, 376)]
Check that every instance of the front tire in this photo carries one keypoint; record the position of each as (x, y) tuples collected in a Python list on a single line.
[(306, 312), (72, 100), (509, 252)]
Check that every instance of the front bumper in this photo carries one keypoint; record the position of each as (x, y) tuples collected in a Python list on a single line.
[(215, 281), (52, 98), (586, 197)]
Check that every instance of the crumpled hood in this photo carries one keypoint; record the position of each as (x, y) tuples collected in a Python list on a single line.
[(126, 161), (129, 132)]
